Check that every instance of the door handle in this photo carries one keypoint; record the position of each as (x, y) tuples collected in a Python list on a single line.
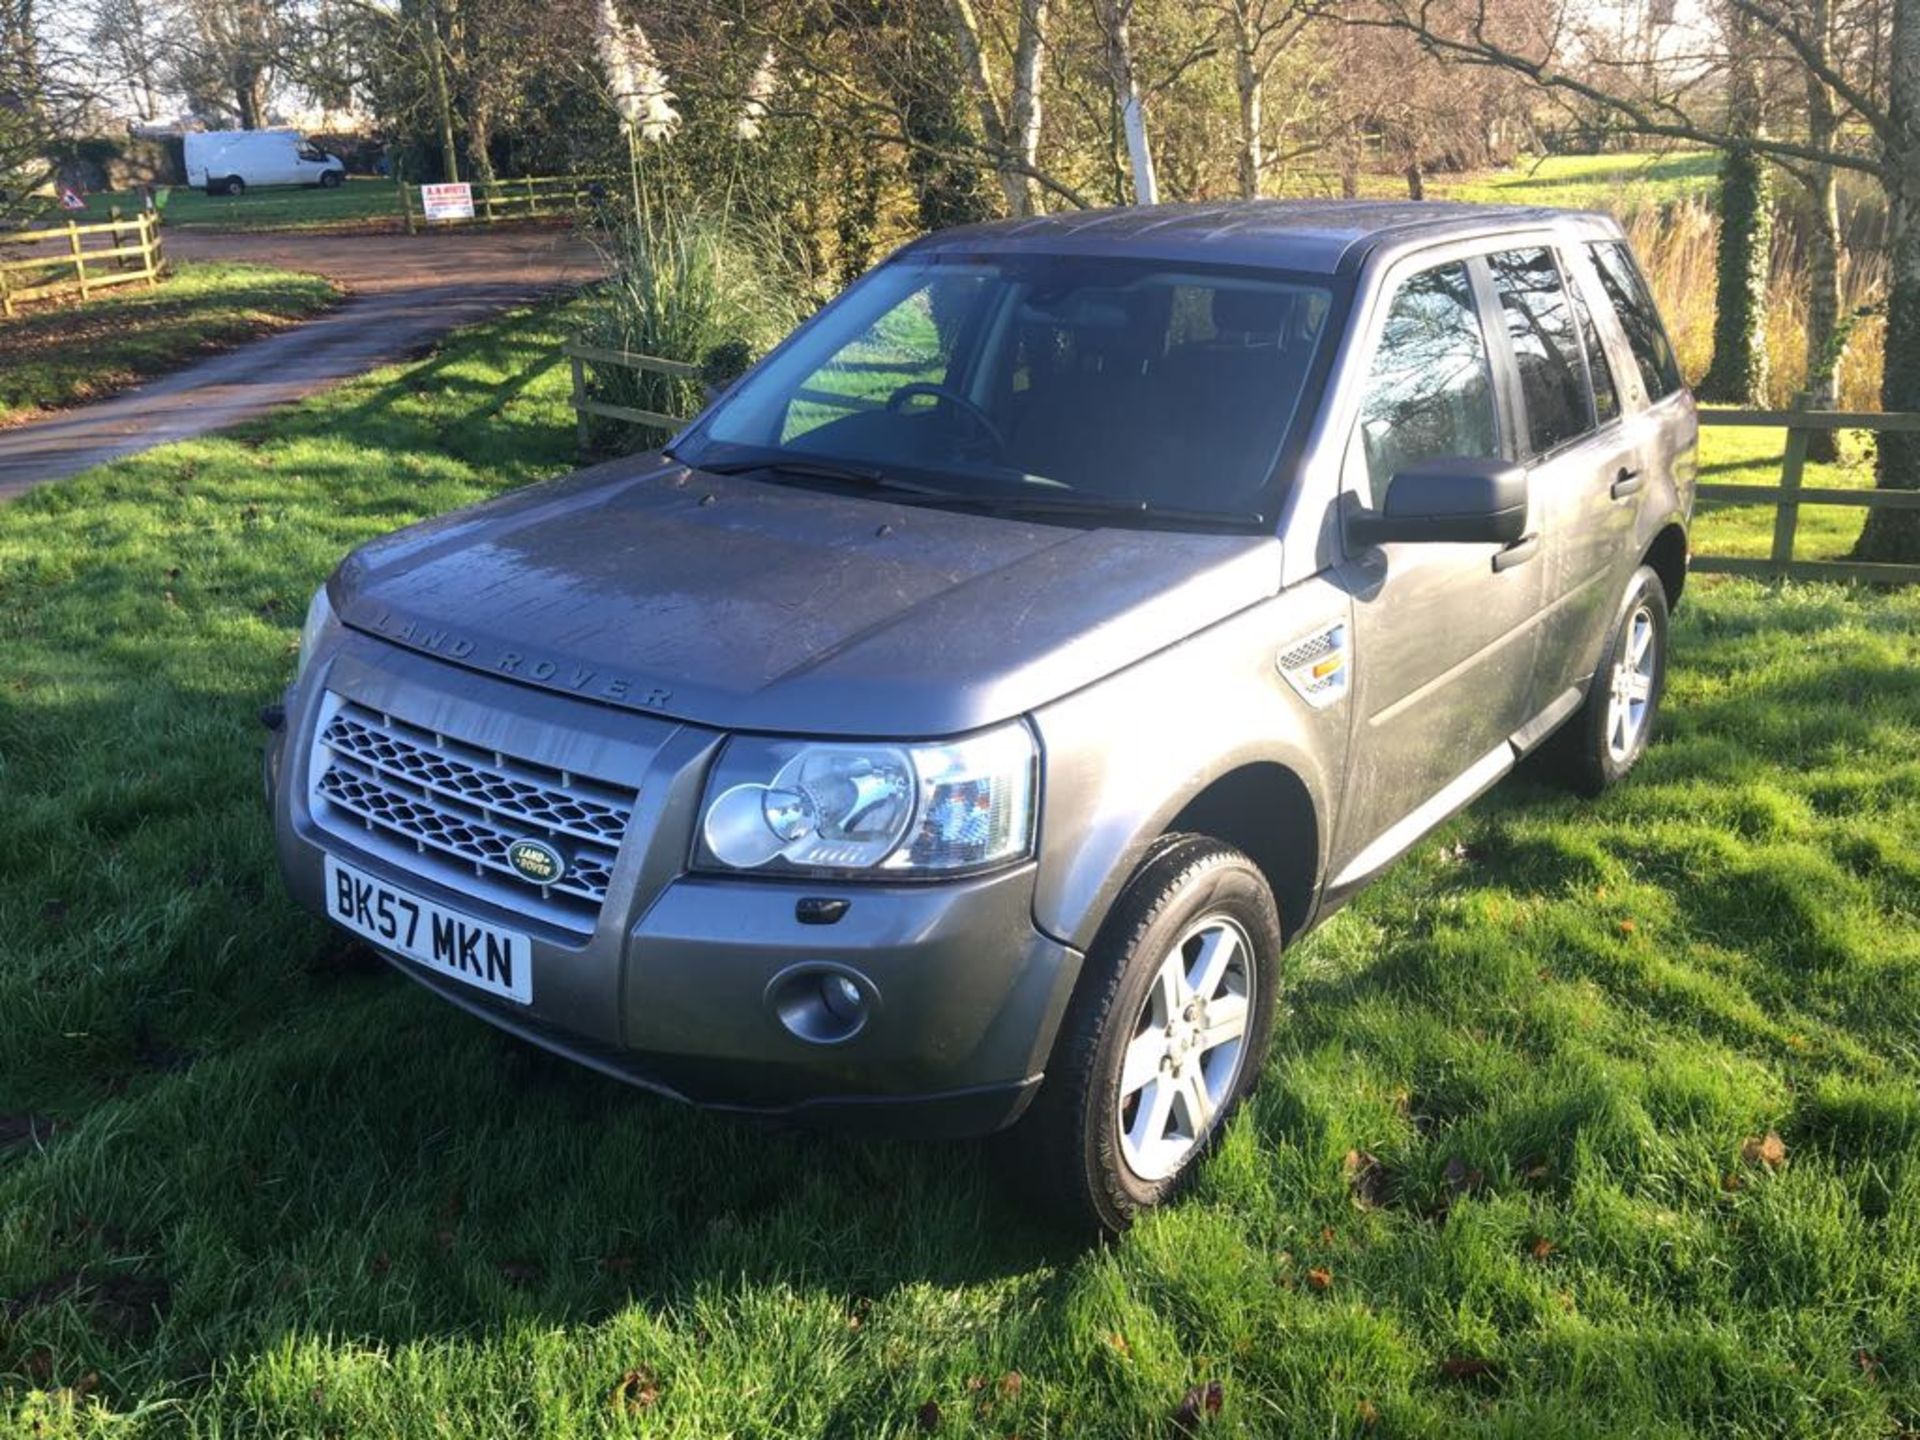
[(1627, 482), (1518, 553)]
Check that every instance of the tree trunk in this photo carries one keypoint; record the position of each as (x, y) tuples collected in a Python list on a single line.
[(480, 139), (1029, 58), (1118, 18), (1416, 182), (1246, 73), (1737, 374), (437, 83), (993, 127), (1894, 535), (1825, 345), (250, 99)]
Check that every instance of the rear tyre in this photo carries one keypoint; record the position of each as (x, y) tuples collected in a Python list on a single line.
[(1608, 735), (1165, 1035), (235, 185)]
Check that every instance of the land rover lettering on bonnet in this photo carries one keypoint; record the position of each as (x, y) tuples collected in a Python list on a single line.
[(949, 728)]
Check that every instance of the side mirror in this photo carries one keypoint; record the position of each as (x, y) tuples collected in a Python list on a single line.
[(1453, 499)]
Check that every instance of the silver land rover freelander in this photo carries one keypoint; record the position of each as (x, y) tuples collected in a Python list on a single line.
[(951, 726)]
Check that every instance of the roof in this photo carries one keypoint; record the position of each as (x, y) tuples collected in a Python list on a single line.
[(1319, 236)]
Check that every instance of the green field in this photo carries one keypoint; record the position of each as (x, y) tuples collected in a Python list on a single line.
[(59, 355), (361, 203), (1510, 1171), (1620, 183)]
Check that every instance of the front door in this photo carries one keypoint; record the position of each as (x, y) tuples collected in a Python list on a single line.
[(1444, 640)]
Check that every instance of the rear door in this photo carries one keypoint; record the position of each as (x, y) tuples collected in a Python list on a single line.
[(1584, 469), (1444, 637)]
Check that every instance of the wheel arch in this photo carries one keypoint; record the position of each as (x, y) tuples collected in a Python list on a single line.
[(1259, 803), (1667, 556), (1265, 810)]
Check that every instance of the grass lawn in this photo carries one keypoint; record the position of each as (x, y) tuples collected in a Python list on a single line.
[(1752, 457), (1620, 183), (249, 1187), (360, 203), (56, 356)]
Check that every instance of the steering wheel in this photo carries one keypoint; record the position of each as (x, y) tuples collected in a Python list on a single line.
[(970, 408)]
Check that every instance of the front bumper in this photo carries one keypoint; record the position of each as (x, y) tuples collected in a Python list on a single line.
[(674, 989)]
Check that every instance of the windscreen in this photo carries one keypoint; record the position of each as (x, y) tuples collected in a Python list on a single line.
[(1128, 381)]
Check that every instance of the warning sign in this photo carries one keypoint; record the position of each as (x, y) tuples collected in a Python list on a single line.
[(447, 202)]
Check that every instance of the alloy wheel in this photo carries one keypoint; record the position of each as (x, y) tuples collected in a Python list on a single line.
[(1188, 1042), (1630, 688)]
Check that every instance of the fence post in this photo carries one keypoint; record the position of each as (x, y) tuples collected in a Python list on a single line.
[(1786, 517), (582, 437), (406, 206), (79, 257), (152, 255)]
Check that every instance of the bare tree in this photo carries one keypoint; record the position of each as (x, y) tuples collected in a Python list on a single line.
[(129, 38), (1883, 143), (1258, 33), (1012, 127)]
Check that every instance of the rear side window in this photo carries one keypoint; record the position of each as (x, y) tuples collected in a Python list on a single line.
[(1627, 291), (1430, 393), (1606, 395), (1546, 346)]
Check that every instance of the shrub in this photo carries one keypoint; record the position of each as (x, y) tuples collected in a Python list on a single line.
[(695, 286)]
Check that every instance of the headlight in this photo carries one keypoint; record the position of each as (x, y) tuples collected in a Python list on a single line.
[(319, 617), (804, 807)]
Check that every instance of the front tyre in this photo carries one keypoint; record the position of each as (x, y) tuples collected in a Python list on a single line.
[(1166, 1034), (330, 180), (1609, 734)]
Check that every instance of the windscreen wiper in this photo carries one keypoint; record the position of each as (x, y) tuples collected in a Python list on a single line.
[(861, 475), (1094, 506)]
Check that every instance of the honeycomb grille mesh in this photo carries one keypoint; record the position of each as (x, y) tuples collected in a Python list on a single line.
[(459, 808)]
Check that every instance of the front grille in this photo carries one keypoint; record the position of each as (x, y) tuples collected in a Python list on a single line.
[(450, 811)]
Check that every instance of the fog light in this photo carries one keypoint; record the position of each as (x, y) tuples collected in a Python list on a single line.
[(820, 1005)]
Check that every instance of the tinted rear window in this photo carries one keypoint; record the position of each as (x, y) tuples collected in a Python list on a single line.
[(1546, 347), (1632, 302)]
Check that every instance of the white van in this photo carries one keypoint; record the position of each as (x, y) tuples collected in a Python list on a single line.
[(226, 162)]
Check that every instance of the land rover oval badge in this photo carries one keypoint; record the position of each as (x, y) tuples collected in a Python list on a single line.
[(537, 861)]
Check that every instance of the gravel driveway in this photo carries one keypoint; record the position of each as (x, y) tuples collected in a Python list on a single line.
[(404, 292)]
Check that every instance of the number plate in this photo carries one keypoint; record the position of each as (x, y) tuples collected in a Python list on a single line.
[(483, 956)]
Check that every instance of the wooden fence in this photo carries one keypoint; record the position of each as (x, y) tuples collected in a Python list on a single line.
[(74, 259), (1790, 494), (581, 355), (531, 197)]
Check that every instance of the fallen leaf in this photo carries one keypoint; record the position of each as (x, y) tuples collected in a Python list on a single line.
[(617, 1264), (1326, 1235), (1541, 1248), (39, 1365), (1366, 1179), (638, 1390), (1198, 1403), (929, 1417), (1118, 1342), (1769, 1150), (1369, 1416), (1466, 1367), (1009, 1386), (380, 1264), (1730, 1182), (1320, 1279), (1628, 927)]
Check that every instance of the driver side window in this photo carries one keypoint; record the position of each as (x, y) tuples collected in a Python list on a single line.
[(1430, 391), (912, 343)]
